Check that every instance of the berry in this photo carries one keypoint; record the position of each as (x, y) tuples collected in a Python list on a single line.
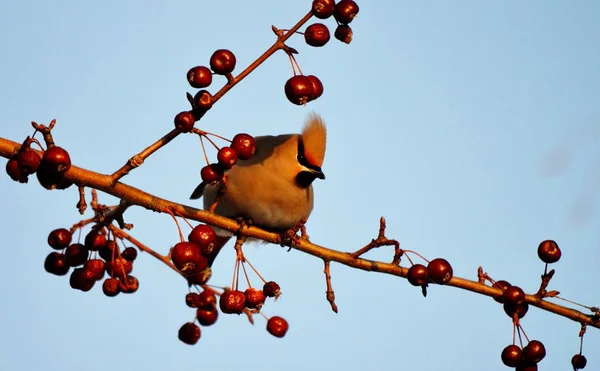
[(200, 277), (199, 77), (189, 333), (513, 295), (95, 269), (323, 9), (440, 271), (232, 302), (204, 100), (343, 33), (549, 252), (56, 159), (418, 275), (109, 251), (317, 86), (207, 300), (512, 355), (299, 90), (76, 254), (184, 121), (526, 366), (345, 11), (317, 35), (534, 351), (95, 240), (15, 171), (272, 289), (222, 62), (207, 317), (128, 284), (519, 309), (29, 161), (56, 263), (59, 238), (227, 157), (192, 300), (578, 361), (211, 173), (254, 298), (129, 254), (502, 285), (244, 145), (80, 280), (110, 287), (50, 179), (118, 267), (277, 326), (204, 236), (187, 258)]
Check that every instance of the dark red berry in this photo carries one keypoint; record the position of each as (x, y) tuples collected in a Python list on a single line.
[(56, 263), (345, 11), (15, 171), (244, 145), (57, 159), (254, 298), (76, 254), (317, 35), (440, 271), (29, 161), (232, 302), (534, 351), (323, 9), (207, 317), (192, 300), (80, 280), (95, 240), (118, 267), (578, 361), (526, 365), (110, 251), (222, 62), (227, 157), (299, 89), (277, 326), (211, 173), (50, 179), (59, 238), (343, 33), (184, 121), (186, 257), (317, 86), (516, 309), (128, 284), (110, 287), (272, 289), (189, 333), (513, 295), (502, 285), (207, 300), (205, 237), (95, 268), (199, 77), (204, 100), (512, 355), (418, 275), (549, 252), (129, 254), (200, 277)]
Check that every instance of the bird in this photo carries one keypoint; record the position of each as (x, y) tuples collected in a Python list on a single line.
[(273, 189)]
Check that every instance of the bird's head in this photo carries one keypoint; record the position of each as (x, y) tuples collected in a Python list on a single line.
[(311, 150)]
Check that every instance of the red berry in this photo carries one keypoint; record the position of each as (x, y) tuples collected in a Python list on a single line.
[(50, 179), (205, 237), (15, 171), (56, 263), (95, 268), (244, 145), (440, 271), (343, 33), (578, 361), (254, 298), (222, 62), (199, 77), (207, 317), (56, 159), (184, 121), (317, 35), (526, 366), (512, 355), (418, 275), (277, 326), (186, 257), (549, 252), (345, 11), (513, 295), (207, 300), (534, 351), (110, 287), (299, 90), (29, 161), (128, 284), (189, 333), (59, 238), (95, 240), (76, 254), (110, 251), (232, 302), (129, 254), (317, 86), (323, 9), (200, 277), (211, 173), (80, 280), (519, 309), (204, 100), (192, 300), (227, 157), (272, 289), (118, 267), (502, 285)]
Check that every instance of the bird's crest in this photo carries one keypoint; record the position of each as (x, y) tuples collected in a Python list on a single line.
[(314, 137)]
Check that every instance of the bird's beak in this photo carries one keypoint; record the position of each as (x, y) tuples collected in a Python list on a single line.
[(318, 173)]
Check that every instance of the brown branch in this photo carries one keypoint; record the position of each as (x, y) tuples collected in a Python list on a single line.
[(138, 197), (381, 240), (81, 204), (329, 292), (546, 277)]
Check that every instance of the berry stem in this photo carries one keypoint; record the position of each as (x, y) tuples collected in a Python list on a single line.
[(246, 274), (417, 254), (211, 142), (255, 271), (204, 150)]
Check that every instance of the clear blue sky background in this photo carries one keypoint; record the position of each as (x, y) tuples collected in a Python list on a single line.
[(473, 127)]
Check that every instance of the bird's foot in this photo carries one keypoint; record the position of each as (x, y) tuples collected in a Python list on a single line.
[(290, 236)]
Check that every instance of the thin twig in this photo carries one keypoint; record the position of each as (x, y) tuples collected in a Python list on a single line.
[(329, 292)]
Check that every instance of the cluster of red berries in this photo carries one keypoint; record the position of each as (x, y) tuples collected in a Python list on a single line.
[(243, 147), (525, 359), (90, 261), (437, 271), (49, 167), (194, 257)]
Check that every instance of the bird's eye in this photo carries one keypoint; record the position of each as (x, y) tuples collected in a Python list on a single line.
[(300, 156)]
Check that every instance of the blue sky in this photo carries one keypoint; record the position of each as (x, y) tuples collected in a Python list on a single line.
[(473, 127)]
